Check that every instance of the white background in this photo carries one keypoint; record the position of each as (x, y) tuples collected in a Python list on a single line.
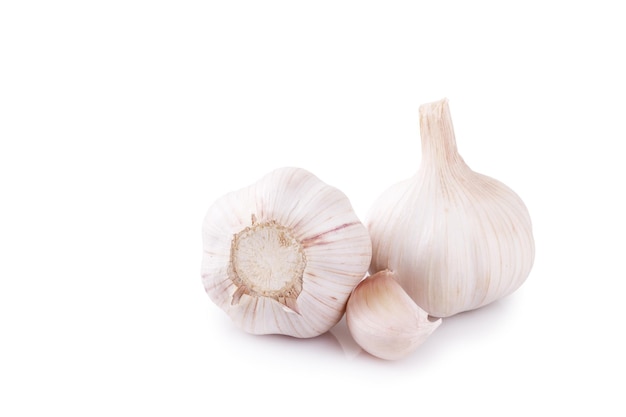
[(122, 121)]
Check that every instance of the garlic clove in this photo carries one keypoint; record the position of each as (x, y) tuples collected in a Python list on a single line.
[(283, 255), (384, 320), (456, 240)]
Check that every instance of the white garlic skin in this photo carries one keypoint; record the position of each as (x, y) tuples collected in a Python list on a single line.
[(384, 320), (457, 240), (288, 230)]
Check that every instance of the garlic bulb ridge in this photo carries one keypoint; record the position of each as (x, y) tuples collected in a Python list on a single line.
[(283, 255), (456, 240)]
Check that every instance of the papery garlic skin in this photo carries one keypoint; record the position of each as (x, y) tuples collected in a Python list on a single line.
[(384, 320), (283, 255), (457, 240)]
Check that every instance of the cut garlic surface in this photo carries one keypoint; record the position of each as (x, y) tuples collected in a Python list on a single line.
[(283, 255)]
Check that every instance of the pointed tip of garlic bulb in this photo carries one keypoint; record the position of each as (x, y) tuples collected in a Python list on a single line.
[(437, 107), (436, 115), (384, 320), (283, 255)]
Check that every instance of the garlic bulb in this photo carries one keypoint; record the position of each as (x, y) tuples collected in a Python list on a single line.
[(283, 255), (457, 240), (384, 320)]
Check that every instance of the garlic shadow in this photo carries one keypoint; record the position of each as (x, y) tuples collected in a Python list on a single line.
[(469, 327), (455, 331)]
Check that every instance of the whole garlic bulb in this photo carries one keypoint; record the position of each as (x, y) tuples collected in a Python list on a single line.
[(384, 320), (456, 240), (283, 255)]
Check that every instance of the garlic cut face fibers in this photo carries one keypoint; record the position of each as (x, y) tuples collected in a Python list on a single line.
[(455, 239), (283, 255)]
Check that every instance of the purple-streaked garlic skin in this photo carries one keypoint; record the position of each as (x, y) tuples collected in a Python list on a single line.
[(283, 255)]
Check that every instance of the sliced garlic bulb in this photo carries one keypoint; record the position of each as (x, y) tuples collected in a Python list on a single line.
[(283, 255), (457, 240), (384, 320)]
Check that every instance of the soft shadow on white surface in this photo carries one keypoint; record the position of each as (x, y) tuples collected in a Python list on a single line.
[(337, 344), (464, 328), (479, 323)]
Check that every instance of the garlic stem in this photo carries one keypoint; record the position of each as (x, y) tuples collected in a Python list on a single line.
[(439, 150)]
